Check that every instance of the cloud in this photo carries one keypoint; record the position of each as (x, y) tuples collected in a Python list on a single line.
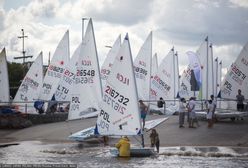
[(126, 12), (183, 24), (240, 3), (187, 21), (43, 8)]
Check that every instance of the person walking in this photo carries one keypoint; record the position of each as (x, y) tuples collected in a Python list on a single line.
[(182, 110), (154, 137), (123, 147), (143, 111)]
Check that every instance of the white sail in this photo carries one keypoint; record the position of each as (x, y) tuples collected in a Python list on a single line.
[(176, 77), (236, 77), (162, 82), (108, 62), (68, 77), (154, 65), (87, 91), (4, 78), (30, 87), (56, 68), (142, 68), (219, 76), (119, 113), (202, 53), (210, 72), (215, 76), (153, 72)]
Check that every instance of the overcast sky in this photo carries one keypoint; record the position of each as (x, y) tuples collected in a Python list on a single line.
[(180, 23)]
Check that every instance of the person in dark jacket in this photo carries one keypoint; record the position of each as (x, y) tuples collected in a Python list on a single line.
[(154, 139), (160, 103)]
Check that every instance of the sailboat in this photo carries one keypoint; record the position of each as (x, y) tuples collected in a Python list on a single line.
[(55, 69), (120, 113), (108, 62), (163, 83), (205, 56), (153, 72), (142, 69), (119, 109), (68, 78), (4, 79), (87, 90), (236, 78), (30, 87)]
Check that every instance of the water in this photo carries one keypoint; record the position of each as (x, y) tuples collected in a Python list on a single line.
[(35, 152)]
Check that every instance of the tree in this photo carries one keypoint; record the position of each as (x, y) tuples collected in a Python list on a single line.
[(16, 75)]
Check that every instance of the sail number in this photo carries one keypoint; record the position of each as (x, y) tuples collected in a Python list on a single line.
[(120, 98), (74, 103), (238, 72), (84, 80), (105, 122), (84, 72)]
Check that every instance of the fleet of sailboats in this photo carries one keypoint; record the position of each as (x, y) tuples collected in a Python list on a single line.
[(112, 94)]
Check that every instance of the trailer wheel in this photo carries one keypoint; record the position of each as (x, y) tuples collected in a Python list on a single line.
[(232, 118)]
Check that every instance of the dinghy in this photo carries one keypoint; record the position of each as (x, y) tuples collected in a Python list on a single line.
[(142, 69), (30, 87), (86, 92), (55, 70), (120, 113), (163, 83)]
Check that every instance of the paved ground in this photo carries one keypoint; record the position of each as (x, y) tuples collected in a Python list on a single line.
[(224, 133)]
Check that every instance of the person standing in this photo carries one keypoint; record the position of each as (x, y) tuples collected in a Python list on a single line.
[(214, 102), (240, 101), (210, 113), (154, 139), (182, 110), (123, 147), (191, 109), (143, 111)]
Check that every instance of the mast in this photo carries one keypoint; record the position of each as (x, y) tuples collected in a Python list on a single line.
[(174, 78), (149, 95), (83, 19), (220, 69), (177, 73), (24, 56), (212, 67), (207, 68), (216, 77)]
